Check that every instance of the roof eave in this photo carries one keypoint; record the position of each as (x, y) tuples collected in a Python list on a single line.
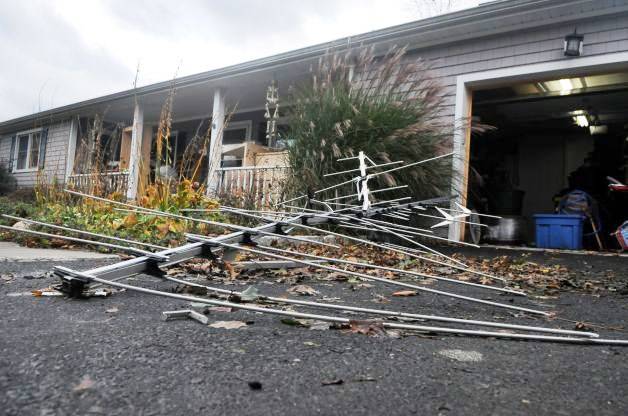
[(464, 17)]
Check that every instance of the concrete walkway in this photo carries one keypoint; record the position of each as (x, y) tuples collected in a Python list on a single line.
[(14, 252)]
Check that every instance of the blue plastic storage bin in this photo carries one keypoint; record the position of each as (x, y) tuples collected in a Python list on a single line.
[(559, 231)]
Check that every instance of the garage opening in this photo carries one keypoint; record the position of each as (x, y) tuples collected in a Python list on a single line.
[(554, 147)]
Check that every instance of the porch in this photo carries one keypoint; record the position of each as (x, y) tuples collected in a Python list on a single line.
[(214, 133), (254, 187), (107, 182)]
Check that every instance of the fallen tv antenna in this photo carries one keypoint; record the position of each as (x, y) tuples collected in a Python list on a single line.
[(364, 215)]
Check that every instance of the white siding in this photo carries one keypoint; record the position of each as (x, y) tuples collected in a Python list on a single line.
[(602, 35), (54, 163)]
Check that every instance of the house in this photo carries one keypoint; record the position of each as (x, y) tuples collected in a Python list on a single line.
[(552, 75)]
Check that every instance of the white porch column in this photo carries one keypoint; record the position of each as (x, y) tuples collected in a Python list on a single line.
[(461, 157), (136, 144), (71, 155), (215, 145)]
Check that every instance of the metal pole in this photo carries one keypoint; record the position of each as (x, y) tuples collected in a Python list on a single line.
[(372, 192), (424, 235), (372, 243), (452, 220), (379, 279), (239, 228), (58, 227), (395, 270), (327, 318), (411, 164), (370, 175), (389, 313), (358, 169), (475, 213), (423, 246), (131, 250), (185, 218)]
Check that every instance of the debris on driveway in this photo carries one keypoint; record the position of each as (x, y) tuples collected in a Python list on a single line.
[(184, 313)]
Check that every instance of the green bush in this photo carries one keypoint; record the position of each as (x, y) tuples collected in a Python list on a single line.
[(388, 109), (8, 183)]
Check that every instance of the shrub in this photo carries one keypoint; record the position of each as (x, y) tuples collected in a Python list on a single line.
[(388, 109), (8, 183)]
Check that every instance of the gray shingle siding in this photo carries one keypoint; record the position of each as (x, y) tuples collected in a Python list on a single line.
[(55, 160), (601, 36)]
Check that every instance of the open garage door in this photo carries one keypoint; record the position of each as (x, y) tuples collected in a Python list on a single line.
[(554, 144)]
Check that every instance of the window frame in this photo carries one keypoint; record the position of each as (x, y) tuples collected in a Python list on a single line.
[(28, 133), (238, 125)]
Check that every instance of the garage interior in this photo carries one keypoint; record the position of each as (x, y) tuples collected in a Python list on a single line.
[(548, 138)]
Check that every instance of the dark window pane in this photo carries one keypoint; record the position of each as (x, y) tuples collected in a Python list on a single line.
[(22, 151), (33, 160), (234, 136)]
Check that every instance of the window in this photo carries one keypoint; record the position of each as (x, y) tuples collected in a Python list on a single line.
[(237, 132), (27, 155)]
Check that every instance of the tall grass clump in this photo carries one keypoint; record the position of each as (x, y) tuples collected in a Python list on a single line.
[(386, 106)]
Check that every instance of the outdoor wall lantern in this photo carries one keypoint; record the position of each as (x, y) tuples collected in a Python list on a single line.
[(573, 44)]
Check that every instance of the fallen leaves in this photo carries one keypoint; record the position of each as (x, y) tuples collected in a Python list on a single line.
[(380, 299), (405, 293), (230, 270), (303, 290), (228, 324), (372, 328), (583, 326), (517, 269)]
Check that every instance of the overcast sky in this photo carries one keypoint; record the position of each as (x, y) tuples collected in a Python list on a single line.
[(63, 51)]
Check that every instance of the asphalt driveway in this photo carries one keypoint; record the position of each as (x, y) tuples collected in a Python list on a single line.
[(115, 356)]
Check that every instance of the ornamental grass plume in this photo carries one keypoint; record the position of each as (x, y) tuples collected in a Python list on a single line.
[(387, 106)]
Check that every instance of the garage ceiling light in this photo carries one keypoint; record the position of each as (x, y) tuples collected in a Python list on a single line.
[(581, 120), (565, 86)]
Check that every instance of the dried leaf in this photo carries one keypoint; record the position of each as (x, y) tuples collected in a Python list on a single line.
[(130, 220), (583, 326), (162, 229), (85, 384), (405, 293), (381, 299), (296, 322), (371, 328), (303, 290), (231, 270)]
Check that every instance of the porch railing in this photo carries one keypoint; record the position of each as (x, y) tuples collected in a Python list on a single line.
[(259, 187), (106, 182)]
